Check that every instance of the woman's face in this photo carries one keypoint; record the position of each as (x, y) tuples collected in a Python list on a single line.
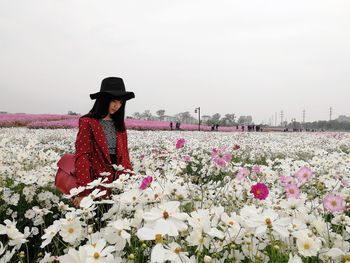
[(114, 106)]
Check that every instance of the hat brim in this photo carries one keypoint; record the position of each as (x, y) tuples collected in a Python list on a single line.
[(125, 95)]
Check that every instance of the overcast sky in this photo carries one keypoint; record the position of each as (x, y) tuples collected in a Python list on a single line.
[(249, 57)]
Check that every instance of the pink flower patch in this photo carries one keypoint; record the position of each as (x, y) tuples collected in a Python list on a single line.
[(260, 191), (146, 182), (221, 157), (180, 143), (187, 158), (292, 191), (334, 203), (242, 173), (256, 169), (285, 180), (304, 174)]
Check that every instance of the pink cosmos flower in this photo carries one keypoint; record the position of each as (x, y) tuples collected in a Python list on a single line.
[(260, 191), (292, 191), (285, 180), (334, 203), (304, 174), (256, 169), (146, 182), (187, 158), (242, 173), (220, 156), (180, 143)]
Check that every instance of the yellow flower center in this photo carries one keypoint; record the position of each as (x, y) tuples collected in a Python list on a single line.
[(158, 238), (307, 246), (96, 255), (178, 250), (71, 230), (268, 221), (305, 175), (231, 222), (291, 191), (334, 203)]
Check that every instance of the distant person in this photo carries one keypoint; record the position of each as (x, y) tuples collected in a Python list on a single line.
[(212, 127), (101, 141), (242, 128), (179, 125), (171, 125), (217, 127)]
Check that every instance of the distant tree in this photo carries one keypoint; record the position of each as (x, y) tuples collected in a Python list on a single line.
[(146, 115), (72, 113), (185, 117), (215, 119), (161, 114), (241, 120), (228, 120), (137, 115)]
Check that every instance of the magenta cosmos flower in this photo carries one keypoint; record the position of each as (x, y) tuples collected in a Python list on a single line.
[(146, 182), (304, 174), (220, 156), (180, 143), (334, 203), (260, 191)]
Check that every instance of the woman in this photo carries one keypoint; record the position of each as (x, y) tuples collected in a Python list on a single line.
[(102, 140)]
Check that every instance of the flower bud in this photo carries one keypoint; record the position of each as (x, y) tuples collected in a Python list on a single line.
[(207, 259)]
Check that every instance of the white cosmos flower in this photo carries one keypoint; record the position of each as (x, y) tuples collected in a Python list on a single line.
[(50, 233), (75, 191), (95, 183), (16, 238), (74, 256), (176, 254), (2, 249), (158, 253), (71, 230), (48, 258), (105, 173), (308, 246), (269, 218), (116, 233), (294, 259), (88, 201), (198, 239), (99, 252), (167, 217)]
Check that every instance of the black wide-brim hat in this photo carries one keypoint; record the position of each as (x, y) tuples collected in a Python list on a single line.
[(113, 86)]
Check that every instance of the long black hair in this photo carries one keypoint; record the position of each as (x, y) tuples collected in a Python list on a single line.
[(101, 107)]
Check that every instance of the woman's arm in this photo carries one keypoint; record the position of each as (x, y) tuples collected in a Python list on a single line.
[(83, 149)]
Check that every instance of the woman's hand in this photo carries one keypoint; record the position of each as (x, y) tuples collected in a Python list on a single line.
[(76, 200)]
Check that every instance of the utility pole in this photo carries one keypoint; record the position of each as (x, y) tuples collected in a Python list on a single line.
[(330, 113), (199, 117)]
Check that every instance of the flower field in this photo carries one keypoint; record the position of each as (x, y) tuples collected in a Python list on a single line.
[(193, 197)]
